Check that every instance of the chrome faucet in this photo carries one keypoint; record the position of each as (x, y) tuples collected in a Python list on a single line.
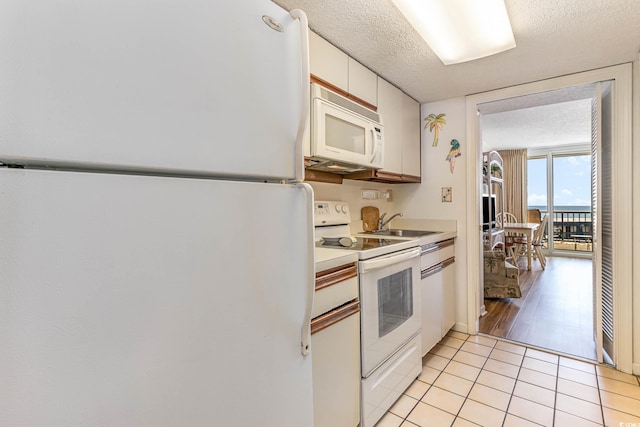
[(382, 222)]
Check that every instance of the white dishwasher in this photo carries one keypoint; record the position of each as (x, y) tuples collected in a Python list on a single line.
[(335, 348), (438, 291)]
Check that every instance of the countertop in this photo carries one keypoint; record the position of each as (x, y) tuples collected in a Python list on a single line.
[(327, 258), (437, 237)]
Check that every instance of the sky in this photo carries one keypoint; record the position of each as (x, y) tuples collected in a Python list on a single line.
[(572, 181)]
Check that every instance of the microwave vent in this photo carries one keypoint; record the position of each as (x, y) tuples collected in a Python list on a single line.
[(349, 105)]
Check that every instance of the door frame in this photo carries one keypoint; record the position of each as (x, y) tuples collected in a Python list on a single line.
[(622, 195)]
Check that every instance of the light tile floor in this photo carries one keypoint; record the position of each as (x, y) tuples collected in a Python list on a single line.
[(474, 380)]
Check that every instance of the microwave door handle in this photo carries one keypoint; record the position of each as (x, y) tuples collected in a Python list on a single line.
[(372, 144)]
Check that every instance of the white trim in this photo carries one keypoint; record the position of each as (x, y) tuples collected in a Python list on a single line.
[(622, 196), (584, 148), (636, 208), (460, 327)]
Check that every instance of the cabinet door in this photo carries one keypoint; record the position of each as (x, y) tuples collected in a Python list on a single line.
[(411, 136), (431, 309), (390, 108), (328, 62), (363, 82), (448, 296), (336, 374)]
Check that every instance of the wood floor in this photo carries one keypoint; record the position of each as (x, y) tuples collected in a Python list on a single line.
[(555, 311)]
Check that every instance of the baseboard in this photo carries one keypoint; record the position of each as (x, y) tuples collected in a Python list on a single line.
[(636, 368), (461, 327)]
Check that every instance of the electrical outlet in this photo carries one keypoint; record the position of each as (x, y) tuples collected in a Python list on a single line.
[(370, 194), (447, 194)]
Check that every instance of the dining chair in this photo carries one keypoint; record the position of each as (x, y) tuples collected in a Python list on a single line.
[(504, 217), (511, 241), (534, 215), (537, 242)]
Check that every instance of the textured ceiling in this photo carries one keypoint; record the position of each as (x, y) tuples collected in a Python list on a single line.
[(548, 119), (553, 38), (558, 124)]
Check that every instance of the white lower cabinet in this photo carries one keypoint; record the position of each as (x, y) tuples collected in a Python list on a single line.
[(335, 353), (438, 292), (448, 296), (431, 309), (335, 348)]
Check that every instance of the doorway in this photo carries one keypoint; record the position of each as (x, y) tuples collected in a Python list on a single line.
[(620, 189), (554, 132)]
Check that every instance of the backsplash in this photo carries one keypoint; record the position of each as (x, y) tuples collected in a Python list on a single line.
[(350, 191)]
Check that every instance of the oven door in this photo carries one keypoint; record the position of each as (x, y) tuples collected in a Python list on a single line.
[(390, 303)]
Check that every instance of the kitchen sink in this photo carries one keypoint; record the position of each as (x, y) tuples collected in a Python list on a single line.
[(404, 233)]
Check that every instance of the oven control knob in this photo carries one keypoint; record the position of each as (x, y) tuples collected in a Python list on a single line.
[(344, 209), (338, 208)]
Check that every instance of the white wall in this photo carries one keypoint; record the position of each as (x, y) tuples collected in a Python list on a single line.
[(424, 200), (349, 192)]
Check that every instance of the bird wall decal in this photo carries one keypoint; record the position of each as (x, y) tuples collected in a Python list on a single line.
[(453, 153)]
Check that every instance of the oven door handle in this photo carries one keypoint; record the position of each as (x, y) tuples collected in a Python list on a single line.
[(386, 261)]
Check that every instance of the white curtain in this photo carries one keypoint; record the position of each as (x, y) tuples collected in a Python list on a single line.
[(515, 182)]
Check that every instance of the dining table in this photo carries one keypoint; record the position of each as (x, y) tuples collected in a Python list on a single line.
[(527, 229)]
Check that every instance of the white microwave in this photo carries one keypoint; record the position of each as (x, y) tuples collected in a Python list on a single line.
[(345, 136)]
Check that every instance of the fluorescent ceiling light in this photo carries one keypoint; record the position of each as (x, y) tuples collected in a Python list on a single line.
[(460, 30)]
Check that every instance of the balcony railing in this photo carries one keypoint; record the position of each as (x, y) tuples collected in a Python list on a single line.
[(572, 230)]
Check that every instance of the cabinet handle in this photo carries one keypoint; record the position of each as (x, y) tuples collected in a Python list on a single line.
[(432, 247), (335, 316), (431, 271), (447, 262), (337, 275), (436, 268)]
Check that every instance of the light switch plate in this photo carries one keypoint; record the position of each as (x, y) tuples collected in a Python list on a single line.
[(447, 194)]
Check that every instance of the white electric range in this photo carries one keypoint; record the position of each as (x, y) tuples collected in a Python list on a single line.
[(389, 288), (332, 219)]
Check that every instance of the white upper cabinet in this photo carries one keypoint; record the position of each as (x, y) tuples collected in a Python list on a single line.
[(328, 62), (411, 136), (390, 108), (363, 82), (401, 121), (335, 67)]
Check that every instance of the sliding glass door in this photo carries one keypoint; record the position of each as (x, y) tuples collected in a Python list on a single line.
[(559, 185)]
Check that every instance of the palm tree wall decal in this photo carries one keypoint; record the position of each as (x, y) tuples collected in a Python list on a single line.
[(435, 124)]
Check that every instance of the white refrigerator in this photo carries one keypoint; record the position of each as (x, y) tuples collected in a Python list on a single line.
[(156, 249)]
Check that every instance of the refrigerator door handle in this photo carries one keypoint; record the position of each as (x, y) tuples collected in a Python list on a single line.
[(304, 111), (311, 272)]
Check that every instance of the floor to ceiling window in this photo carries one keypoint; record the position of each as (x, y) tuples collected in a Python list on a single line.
[(559, 184)]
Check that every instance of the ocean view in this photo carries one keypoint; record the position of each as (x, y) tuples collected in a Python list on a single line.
[(561, 208)]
